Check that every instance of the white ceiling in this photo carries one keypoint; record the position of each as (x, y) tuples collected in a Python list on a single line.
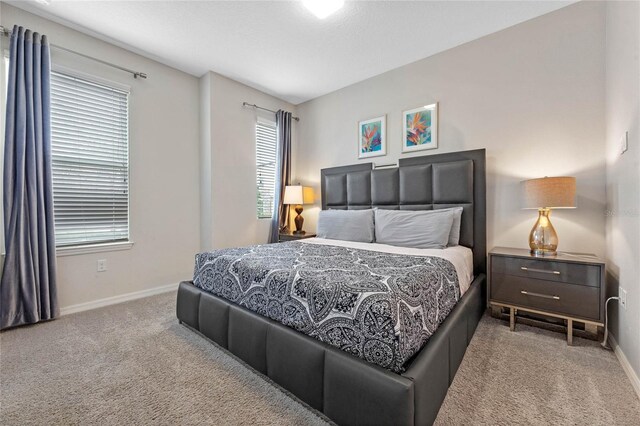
[(279, 47)]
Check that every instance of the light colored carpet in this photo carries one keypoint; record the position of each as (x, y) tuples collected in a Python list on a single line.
[(531, 377), (133, 364)]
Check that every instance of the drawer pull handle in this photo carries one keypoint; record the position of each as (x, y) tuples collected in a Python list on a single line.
[(544, 296), (544, 271)]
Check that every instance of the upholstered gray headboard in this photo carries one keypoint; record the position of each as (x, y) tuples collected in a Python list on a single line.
[(418, 183)]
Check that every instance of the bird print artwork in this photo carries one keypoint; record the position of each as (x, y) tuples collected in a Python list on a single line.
[(371, 139), (420, 128)]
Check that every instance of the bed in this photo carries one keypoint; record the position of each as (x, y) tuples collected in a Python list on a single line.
[(353, 383)]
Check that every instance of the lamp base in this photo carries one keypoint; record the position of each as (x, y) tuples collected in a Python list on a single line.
[(543, 239), (299, 220), (543, 253)]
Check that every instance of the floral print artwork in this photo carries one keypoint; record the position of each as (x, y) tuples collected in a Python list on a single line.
[(371, 137), (419, 128)]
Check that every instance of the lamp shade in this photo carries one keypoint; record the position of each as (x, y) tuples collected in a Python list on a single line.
[(550, 192), (298, 194)]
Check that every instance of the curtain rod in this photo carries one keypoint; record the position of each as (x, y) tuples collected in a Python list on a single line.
[(136, 74), (265, 109)]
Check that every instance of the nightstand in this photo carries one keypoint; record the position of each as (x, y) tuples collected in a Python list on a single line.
[(290, 236), (567, 286)]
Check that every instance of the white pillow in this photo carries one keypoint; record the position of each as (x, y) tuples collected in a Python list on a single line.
[(426, 229), (348, 225)]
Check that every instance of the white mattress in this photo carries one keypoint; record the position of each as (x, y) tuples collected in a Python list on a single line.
[(461, 257)]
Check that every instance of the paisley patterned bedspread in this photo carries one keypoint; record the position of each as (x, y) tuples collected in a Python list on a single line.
[(381, 307)]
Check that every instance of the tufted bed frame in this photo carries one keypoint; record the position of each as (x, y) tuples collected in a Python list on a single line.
[(347, 389)]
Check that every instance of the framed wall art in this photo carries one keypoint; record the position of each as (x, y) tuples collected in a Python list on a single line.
[(372, 139), (420, 128)]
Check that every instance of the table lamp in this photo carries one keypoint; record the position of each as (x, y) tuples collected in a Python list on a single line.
[(545, 194), (298, 195)]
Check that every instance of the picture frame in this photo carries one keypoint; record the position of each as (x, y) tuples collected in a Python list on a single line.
[(420, 128), (372, 137)]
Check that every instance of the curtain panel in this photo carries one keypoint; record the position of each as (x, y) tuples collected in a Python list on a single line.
[(280, 218), (28, 285)]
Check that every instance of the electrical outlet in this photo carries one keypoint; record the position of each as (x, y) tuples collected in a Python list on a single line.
[(624, 143), (102, 265), (622, 294)]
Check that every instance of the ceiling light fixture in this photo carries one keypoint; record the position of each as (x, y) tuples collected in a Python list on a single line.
[(323, 8), (44, 2)]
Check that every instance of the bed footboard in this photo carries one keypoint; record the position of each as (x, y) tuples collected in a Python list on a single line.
[(346, 389)]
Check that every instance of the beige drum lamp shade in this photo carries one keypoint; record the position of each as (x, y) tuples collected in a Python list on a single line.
[(298, 194), (550, 193)]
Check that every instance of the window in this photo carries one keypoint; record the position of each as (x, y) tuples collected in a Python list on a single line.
[(265, 167), (90, 161)]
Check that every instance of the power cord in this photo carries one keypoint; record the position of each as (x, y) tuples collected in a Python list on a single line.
[(606, 318)]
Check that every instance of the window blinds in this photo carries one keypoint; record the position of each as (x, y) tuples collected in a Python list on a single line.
[(265, 167), (90, 161)]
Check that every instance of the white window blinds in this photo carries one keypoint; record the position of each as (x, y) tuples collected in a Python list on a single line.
[(90, 161), (265, 167)]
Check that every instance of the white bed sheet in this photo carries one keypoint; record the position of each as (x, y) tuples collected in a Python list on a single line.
[(460, 256)]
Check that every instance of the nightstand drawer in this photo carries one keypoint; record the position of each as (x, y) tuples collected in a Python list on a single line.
[(562, 298), (582, 274)]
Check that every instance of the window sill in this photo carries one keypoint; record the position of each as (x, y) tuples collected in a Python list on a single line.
[(93, 248)]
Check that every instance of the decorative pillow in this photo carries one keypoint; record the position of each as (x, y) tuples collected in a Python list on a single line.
[(428, 229), (348, 225)]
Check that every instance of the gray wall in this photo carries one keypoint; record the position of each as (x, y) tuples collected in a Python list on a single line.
[(164, 202), (532, 95), (228, 162), (623, 173)]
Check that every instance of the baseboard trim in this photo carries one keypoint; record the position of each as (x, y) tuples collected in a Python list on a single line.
[(626, 366), (94, 304)]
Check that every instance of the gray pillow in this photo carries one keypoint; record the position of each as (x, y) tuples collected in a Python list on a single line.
[(427, 229), (348, 225), (454, 235)]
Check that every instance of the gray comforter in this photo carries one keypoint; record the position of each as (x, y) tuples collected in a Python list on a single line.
[(380, 307)]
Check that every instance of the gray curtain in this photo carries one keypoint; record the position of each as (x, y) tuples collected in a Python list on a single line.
[(280, 219), (28, 285)]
